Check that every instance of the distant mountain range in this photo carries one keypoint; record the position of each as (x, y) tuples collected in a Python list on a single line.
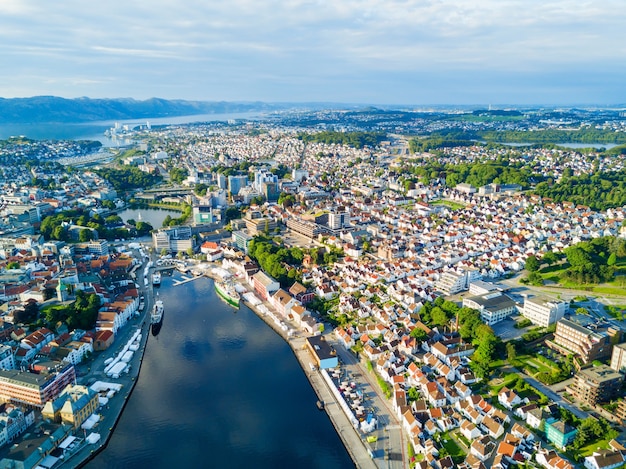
[(50, 109)]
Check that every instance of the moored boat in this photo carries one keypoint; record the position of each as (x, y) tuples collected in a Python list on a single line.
[(157, 312), (226, 290)]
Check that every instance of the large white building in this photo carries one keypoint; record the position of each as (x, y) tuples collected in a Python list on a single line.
[(452, 282), (493, 307), (542, 311)]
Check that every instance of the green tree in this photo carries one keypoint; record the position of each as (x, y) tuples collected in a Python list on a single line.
[(550, 258), (611, 260), (200, 189), (418, 334), (84, 235), (413, 394), (178, 175), (532, 263), (577, 256), (232, 213), (511, 352), (59, 233), (438, 316)]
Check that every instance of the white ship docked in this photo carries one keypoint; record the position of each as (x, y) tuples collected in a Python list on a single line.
[(157, 312)]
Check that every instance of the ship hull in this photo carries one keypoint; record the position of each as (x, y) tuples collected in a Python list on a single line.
[(228, 297)]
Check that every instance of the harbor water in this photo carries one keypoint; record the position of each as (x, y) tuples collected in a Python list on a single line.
[(219, 388)]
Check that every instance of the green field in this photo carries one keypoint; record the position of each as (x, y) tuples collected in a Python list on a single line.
[(531, 362), (449, 203)]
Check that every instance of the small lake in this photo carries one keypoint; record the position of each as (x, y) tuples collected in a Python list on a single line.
[(154, 216)]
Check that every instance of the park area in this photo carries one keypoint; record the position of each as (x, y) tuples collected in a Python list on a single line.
[(544, 365)]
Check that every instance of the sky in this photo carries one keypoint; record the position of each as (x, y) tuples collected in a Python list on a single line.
[(345, 51)]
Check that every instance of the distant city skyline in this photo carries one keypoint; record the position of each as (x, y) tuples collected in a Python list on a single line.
[(351, 51)]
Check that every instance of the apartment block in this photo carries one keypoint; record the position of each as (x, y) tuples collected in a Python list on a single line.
[(542, 311), (596, 384), (584, 337), (618, 358), (34, 389)]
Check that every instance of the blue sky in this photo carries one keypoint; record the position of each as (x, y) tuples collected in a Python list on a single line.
[(352, 51)]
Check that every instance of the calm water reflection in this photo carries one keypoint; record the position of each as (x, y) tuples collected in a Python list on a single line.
[(154, 216), (218, 388)]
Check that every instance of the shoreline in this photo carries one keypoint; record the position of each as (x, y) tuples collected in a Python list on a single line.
[(134, 379), (349, 436), (116, 408)]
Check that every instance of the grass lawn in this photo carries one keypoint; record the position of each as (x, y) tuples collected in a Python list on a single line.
[(609, 289), (465, 441), (508, 381), (454, 450), (591, 447), (496, 364), (532, 364), (449, 203)]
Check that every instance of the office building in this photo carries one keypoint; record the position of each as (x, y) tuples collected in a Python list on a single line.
[(542, 311), (236, 183), (493, 307)]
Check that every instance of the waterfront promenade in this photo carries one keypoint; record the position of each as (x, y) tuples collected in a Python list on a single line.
[(390, 436), (94, 371), (349, 436), (111, 413)]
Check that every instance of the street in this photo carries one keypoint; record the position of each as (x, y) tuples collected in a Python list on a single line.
[(390, 434)]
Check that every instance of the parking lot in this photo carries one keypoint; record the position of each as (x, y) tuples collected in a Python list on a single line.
[(506, 329)]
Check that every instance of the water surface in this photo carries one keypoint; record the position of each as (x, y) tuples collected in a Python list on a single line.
[(219, 388)]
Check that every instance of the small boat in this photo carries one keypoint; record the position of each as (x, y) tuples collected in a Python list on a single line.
[(157, 312), (320, 405)]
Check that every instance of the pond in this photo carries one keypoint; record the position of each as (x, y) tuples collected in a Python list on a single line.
[(154, 216)]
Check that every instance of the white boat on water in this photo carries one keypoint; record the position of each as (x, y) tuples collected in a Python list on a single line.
[(156, 278), (157, 312)]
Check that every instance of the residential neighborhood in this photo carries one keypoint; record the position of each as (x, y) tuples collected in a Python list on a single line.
[(427, 286)]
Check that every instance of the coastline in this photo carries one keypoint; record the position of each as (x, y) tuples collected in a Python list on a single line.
[(350, 438), (110, 418), (106, 426)]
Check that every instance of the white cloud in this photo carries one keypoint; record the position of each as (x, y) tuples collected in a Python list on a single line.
[(347, 38)]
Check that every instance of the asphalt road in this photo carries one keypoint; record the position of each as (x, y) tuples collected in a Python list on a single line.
[(390, 433)]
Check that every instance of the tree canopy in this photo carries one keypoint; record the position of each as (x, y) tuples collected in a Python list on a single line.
[(128, 178)]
